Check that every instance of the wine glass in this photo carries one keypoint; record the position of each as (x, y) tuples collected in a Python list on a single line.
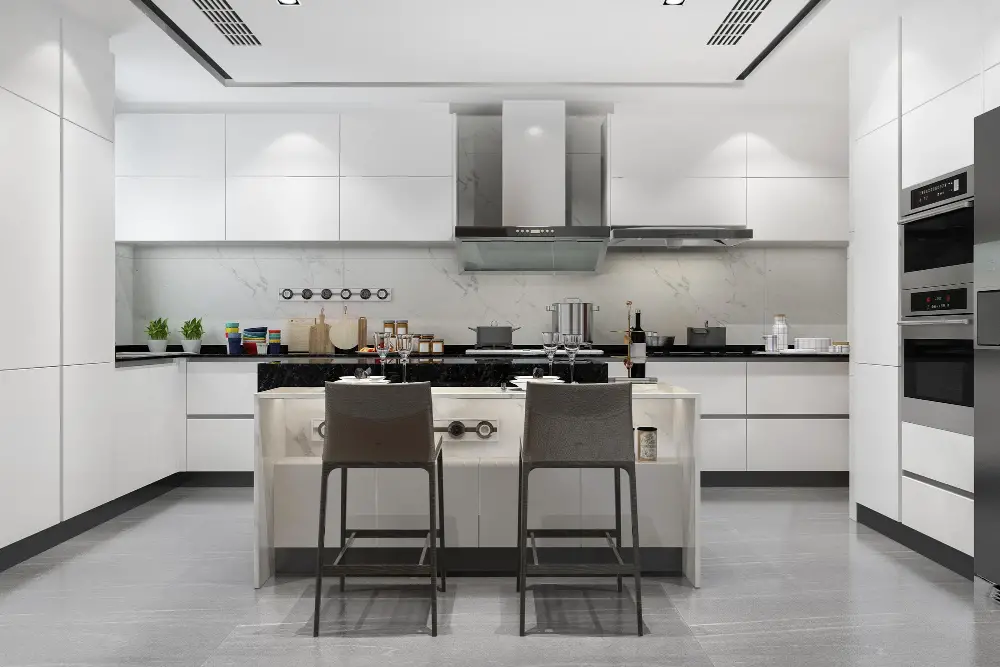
[(572, 343), (404, 345), (550, 343), (382, 347)]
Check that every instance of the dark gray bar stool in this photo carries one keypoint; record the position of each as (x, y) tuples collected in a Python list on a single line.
[(381, 426), (579, 426)]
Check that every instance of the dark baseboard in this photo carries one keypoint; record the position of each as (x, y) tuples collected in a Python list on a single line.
[(942, 554), (478, 561), (222, 478), (809, 478), (33, 545)]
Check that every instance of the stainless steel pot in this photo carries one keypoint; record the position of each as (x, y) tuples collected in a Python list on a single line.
[(494, 335), (573, 316)]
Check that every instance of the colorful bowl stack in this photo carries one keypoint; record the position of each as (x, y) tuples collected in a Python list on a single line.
[(251, 337), (274, 341), (233, 338)]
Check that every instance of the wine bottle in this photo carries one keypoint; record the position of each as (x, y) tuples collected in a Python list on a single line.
[(637, 348)]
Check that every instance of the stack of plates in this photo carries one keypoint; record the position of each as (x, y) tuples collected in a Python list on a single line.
[(812, 344), (521, 381), (372, 379)]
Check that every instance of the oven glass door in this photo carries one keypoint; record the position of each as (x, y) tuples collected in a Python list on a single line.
[(939, 370), (940, 241)]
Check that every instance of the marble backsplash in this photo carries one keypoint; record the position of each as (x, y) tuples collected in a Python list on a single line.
[(738, 288)]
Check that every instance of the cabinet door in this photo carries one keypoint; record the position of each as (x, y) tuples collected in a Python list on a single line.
[(88, 79), (263, 208), (170, 145), (723, 444), (29, 449), (397, 144), (722, 385), (874, 434), (797, 388), (939, 455), (941, 49), (91, 407), (29, 254), (991, 83), (874, 78), (673, 146), (170, 209), (221, 387), (938, 136), (875, 247), (220, 445), (798, 209), (991, 29), (797, 143), (29, 53), (397, 209), (282, 145), (89, 247), (946, 517), (686, 202), (797, 444)]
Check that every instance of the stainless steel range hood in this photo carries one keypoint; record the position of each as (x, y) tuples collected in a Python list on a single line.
[(536, 234)]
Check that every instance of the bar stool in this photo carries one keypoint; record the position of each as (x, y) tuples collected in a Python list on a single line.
[(578, 426), (381, 426)]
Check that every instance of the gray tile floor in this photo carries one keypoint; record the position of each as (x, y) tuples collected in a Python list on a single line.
[(789, 580)]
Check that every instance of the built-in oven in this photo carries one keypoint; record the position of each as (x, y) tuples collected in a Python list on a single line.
[(937, 231), (938, 370)]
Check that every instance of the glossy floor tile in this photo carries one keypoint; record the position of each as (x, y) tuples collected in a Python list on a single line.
[(788, 580)]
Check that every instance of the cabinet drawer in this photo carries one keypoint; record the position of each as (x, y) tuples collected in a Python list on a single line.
[(221, 388), (220, 444), (945, 457), (797, 444), (722, 385), (945, 516), (791, 388)]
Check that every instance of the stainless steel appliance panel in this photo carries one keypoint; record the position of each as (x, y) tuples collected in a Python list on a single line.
[(938, 376), (936, 247), (944, 302)]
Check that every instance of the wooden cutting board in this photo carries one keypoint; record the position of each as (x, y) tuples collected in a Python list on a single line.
[(344, 332), (298, 333), (319, 336)]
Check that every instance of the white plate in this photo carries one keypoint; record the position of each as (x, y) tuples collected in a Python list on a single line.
[(370, 377), (524, 383), (550, 378), (357, 381), (804, 351)]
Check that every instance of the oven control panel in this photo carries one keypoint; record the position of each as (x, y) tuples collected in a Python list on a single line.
[(944, 300)]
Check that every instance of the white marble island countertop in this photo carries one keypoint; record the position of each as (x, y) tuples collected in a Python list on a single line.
[(639, 391)]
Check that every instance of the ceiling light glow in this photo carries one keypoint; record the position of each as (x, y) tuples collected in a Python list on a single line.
[(673, 2), (292, 3)]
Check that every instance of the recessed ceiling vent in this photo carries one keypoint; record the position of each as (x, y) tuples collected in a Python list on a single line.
[(741, 17), (224, 17)]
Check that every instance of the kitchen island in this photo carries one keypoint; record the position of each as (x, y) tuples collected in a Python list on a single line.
[(480, 487)]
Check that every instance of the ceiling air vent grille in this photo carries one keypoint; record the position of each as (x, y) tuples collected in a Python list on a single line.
[(741, 17), (224, 17)]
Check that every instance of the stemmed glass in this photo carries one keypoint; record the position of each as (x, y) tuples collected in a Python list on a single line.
[(572, 343), (382, 347), (550, 343), (404, 345)]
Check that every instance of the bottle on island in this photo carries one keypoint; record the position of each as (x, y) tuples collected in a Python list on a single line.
[(637, 347)]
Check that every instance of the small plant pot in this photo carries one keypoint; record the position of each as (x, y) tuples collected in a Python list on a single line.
[(191, 346), (159, 346)]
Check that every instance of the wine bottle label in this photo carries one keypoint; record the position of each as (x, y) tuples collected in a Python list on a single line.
[(638, 353)]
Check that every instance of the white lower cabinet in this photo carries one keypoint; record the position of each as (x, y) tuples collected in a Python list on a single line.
[(221, 388), (498, 517), (943, 456), (29, 450), (723, 444), (797, 444), (797, 388), (946, 517), (874, 438), (92, 406), (722, 384), (220, 444)]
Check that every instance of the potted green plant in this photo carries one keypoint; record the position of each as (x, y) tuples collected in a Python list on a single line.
[(191, 333), (157, 332)]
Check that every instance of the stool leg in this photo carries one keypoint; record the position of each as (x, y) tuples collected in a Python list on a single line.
[(522, 538), (343, 516), (520, 473), (618, 517), (440, 503), (431, 482), (324, 478), (635, 547)]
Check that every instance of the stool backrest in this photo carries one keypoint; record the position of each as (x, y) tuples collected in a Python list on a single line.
[(378, 423), (578, 422)]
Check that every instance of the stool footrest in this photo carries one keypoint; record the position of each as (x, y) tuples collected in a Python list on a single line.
[(582, 569), (571, 532), (388, 532), (375, 570)]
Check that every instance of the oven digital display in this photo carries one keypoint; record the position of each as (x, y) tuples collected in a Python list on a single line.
[(939, 191), (948, 299)]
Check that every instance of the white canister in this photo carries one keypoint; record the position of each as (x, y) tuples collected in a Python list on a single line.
[(780, 330)]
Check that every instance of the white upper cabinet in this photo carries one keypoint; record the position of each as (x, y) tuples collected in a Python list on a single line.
[(170, 145), (88, 247), (397, 209), (266, 208), (875, 247), (170, 209), (29, 254), (938, 136), (88, 79), (798, 209), (991, 84), (804, 142), (874, 77), (942, 47), (397, 144), (991, 36), (282, 145), (685, 202), (667, 147), (29, 52)]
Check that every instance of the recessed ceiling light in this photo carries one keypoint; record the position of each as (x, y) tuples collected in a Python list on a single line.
[(296, 2), (665, 2)]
